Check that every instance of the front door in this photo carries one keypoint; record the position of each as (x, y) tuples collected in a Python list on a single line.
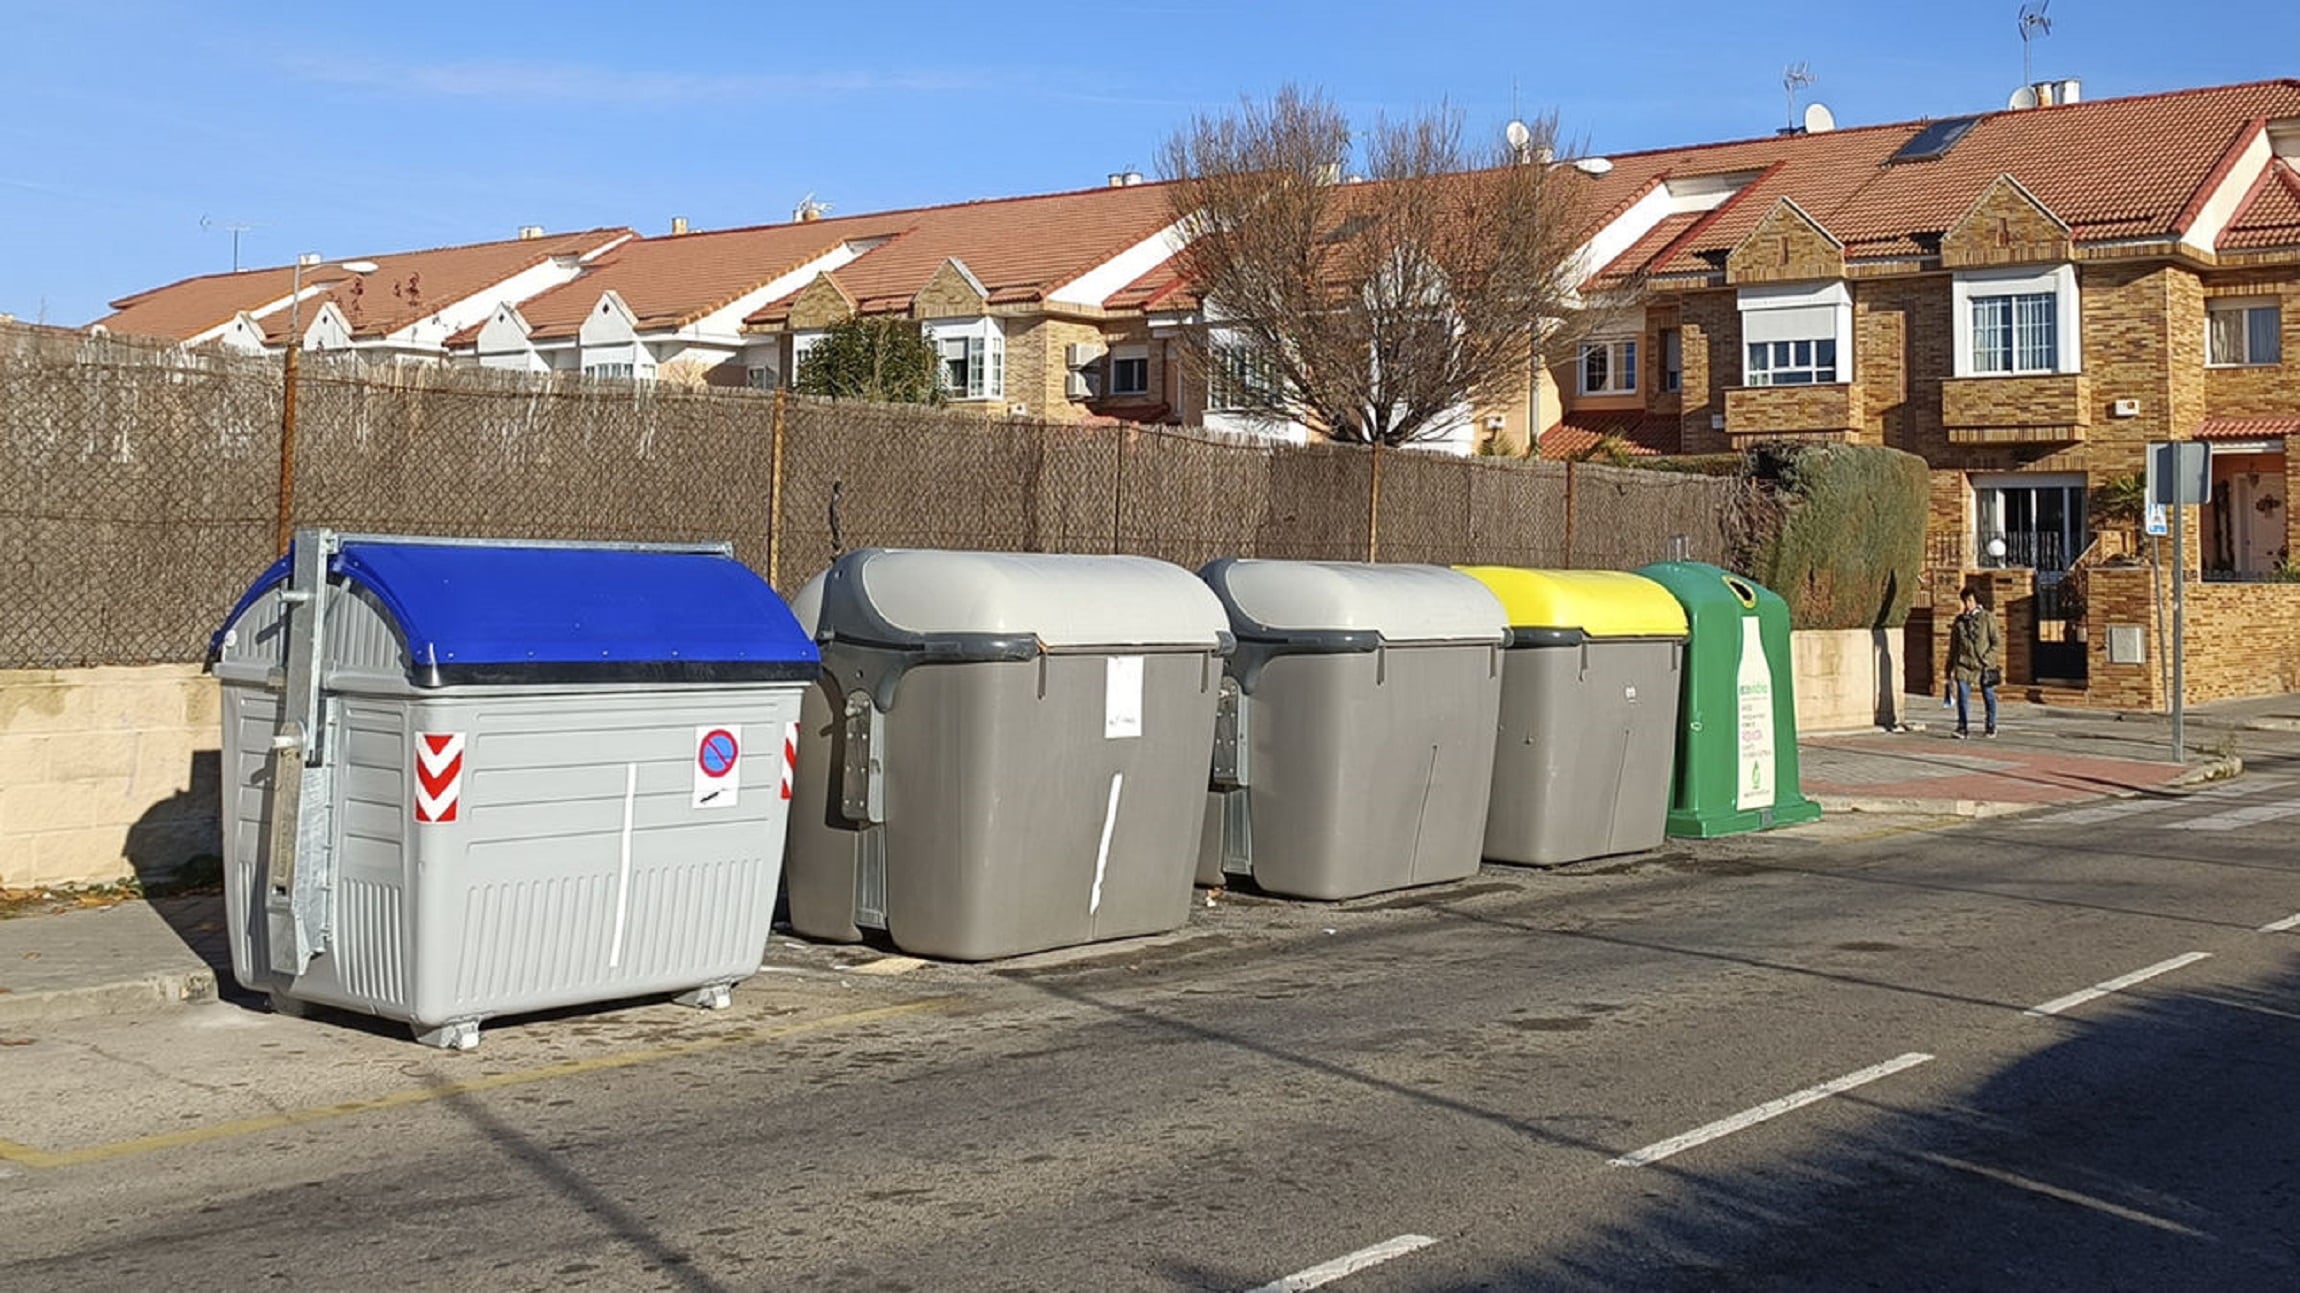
[(2039, 523)]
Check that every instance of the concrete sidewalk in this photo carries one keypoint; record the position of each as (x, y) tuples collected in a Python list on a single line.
[(2041, 756), (132, 958)]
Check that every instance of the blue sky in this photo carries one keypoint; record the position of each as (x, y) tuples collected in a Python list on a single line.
[(359, 129)]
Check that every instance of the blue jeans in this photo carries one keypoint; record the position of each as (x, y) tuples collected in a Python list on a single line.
[(1965, 700)]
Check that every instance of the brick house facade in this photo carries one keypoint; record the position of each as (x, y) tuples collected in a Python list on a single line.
[(2025, 299)]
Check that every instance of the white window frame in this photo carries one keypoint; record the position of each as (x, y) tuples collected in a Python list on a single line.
[(612, 368), (1808, 313), (1139, 355), (1791, 363), (1620, 366), (981, 344), (802, 342), (2245, 306), (1981, 285)]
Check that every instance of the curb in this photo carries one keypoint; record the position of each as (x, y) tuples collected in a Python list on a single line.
[(150, 994), (1918, 806), (2221, 769)]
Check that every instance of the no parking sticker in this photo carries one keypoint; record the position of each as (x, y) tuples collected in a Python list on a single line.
[(718, 766)]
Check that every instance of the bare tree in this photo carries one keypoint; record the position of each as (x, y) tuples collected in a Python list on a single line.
[(1377, 305)]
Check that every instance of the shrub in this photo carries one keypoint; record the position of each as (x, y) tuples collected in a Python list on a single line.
[(1851, 534), (884, 360)]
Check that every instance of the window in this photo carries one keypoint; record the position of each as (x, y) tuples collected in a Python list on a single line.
[(1240, 379), (1791, 363), (2016, 334), (1130, 371), (973, 360), (2243, 333), (624, 371), (2017, 322), (1672, 359), (1609, 368), (2041, 524), (761, 377)]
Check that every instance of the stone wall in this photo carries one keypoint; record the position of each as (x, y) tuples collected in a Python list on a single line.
[(106, 773)]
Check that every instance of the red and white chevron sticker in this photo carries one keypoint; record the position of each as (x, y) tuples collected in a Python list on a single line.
[(790, 756), (438, 776)]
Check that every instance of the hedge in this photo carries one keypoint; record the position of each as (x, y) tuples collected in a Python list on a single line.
[(1850, 540)]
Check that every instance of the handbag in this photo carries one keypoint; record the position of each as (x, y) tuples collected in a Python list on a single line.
[(1991, 676)]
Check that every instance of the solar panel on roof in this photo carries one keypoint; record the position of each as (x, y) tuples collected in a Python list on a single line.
[(1933, 140)]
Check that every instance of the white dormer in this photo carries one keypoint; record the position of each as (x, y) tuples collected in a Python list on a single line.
[(1677, 195), (1098, 284), (503, 342), (610, 341)]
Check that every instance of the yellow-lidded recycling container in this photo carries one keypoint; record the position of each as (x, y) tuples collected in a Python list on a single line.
[(1588, 732)]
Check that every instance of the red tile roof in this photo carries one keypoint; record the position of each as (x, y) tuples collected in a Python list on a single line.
[(1637, 433), (2111, 168), (2248, 428), (672, 281), (405, 287), (2270, 215), (1021, 249)]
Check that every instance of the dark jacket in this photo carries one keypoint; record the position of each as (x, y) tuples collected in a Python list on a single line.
[(1975, 643)]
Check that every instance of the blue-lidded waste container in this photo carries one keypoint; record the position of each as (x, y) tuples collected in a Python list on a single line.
[(466, 779)]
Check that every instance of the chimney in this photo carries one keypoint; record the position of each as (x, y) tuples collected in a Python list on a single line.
[(678, 225), (1117, 179), (1133, 178), (530, 232)]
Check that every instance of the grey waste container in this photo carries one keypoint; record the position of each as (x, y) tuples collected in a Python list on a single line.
[(473, 779), (1354, 750), (1588, 732), (1006, 752)]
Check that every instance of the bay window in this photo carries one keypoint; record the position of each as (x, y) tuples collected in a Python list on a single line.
[(973, 354), (2019, 322), (1798, 335)]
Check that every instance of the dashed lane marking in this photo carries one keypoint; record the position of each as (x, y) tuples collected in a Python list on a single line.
[(2117, 984), (1767, 1111), (1348, 1264)]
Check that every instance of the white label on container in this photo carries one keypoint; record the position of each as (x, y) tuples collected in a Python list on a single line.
[(1122, 697), (1754, 738), (718, 766)]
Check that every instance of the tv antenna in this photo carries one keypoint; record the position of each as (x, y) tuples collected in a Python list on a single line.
[(2035, 25), (233, 227), (1796, 77)]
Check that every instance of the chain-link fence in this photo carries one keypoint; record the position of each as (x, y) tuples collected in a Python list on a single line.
[(141, 485)]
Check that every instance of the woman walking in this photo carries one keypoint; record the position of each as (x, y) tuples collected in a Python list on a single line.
[(1976, 659)]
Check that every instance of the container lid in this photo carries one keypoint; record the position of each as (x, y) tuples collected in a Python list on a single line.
[(511, 613), (1599, 603), (1352, 605), (911, 597), (1702, 588)]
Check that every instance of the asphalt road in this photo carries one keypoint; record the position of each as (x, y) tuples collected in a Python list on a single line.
[(1857, 1057)]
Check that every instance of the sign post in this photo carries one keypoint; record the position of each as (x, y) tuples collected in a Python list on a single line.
[(2179, 477)]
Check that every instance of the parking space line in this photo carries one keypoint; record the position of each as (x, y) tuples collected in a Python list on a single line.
[(1348, 1264), (29, 1156), (2237, 818), (2117, 984), (2279, 926), (1771, 1109)]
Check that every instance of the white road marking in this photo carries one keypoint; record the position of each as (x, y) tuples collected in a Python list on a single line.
[(2122, 808), (2279, 926), (1350, 1264), (2117, 984), (2238, 818), (2066, 1196), (1661, 1149)]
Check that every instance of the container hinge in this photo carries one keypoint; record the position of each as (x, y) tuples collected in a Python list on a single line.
[(300, 879), (870, 877), (1238, 833), (862, 775), (1232, 761)]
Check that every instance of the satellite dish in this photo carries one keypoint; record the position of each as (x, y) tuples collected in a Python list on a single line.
[(2022, 99), (1518, 134), (1818, 119), (1593, 166)]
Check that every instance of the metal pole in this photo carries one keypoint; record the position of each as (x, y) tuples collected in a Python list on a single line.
[(1374, 507), (775, 497), (284, 535), (2179, 632)]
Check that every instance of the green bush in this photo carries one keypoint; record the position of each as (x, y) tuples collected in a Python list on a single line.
[(884, 360), (1851, 534)]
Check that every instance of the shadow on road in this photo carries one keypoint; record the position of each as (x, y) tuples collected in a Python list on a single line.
[(2153, 1146)]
